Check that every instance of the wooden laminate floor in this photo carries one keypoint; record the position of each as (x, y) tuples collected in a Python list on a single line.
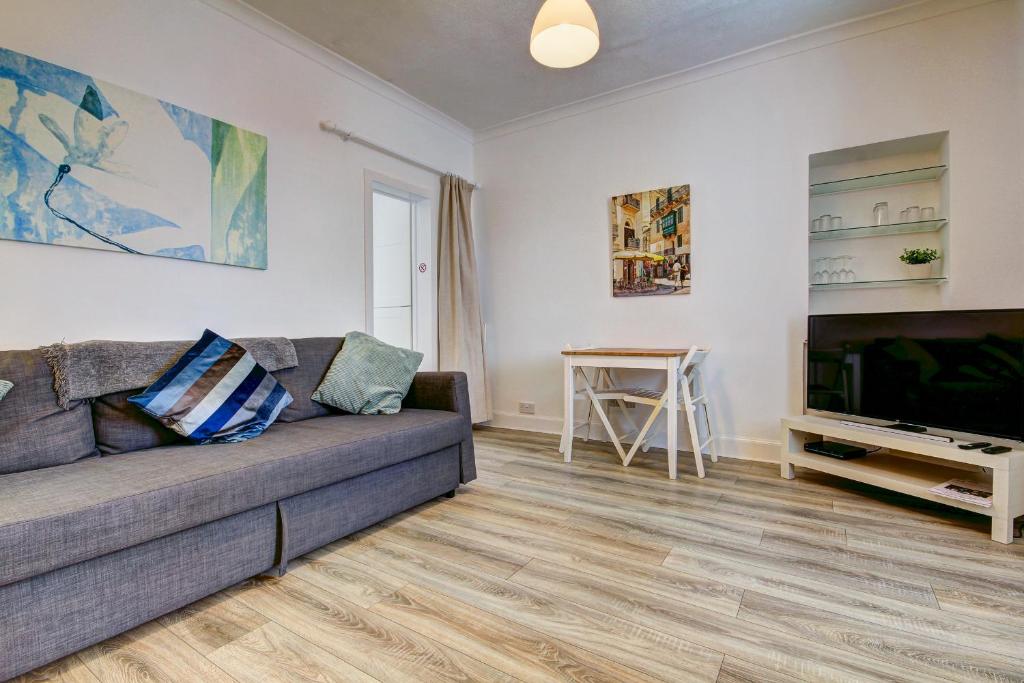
[(590, 572)]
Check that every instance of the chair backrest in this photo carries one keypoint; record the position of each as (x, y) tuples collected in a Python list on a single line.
[(694, 357), (688, 366)]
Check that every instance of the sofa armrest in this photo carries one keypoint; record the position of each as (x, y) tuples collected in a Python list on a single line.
[(446, 391), (439, 391)]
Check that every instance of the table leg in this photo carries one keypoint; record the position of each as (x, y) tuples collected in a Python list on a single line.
[(791, 442), (1006, 486), (671, 408), (1002, 529), (569, 418), (787, 470)]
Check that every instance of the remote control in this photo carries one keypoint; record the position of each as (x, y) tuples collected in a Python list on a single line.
[(996, 450), (974, 446)]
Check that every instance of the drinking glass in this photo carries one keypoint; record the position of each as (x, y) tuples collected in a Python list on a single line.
[(913, 214), (849, 275), (816, 225), (881, 213), (820, 271), (835, 222), (834, 265), (903, 216), (927, 213)]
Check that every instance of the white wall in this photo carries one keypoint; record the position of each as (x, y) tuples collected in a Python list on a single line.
[(223, 60), (740, 134)]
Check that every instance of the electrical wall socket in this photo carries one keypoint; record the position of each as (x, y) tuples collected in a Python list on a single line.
[(527, 408)]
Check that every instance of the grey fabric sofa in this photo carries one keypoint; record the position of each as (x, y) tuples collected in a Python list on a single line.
[(108, 520)]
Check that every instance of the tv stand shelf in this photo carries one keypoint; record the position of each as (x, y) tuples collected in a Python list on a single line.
[(911, 465)]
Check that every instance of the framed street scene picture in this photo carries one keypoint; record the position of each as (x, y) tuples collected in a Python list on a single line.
[(651, 242)]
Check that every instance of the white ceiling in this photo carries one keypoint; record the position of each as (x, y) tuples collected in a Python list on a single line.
[(471, 60)]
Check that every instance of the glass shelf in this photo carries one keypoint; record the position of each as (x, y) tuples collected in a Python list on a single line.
[(878, 284), (880, 230), (914, 175)]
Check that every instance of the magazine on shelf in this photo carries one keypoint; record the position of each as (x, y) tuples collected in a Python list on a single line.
[(972, 492)]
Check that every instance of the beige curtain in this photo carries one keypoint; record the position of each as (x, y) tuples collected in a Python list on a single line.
[(460, 331)]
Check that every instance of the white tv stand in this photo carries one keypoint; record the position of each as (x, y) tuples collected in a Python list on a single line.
[(899, 466), (895, 431)]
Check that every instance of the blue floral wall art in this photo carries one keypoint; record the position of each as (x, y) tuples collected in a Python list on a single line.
[(84, 163)]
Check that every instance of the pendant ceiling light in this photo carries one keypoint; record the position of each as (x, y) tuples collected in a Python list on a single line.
[(564, 34)]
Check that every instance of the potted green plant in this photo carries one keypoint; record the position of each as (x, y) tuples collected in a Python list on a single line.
[(921, 263)]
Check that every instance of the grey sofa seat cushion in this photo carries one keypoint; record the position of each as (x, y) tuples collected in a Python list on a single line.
[(35, 432), (61, 515), (121, 427), (315, 356)]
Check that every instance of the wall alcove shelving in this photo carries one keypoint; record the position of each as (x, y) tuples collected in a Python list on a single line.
[(861, 250)]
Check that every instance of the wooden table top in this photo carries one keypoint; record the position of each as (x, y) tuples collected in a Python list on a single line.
[(625, 351)]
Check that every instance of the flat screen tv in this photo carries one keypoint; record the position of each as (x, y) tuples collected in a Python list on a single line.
[(958, 371)]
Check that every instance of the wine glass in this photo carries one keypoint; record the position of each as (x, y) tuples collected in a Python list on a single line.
[(848, 274), (834, 265), (820, 276)]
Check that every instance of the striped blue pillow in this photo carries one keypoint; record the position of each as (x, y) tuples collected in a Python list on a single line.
[(215, 393)]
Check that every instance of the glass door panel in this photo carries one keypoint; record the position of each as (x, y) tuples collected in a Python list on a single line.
[(392, 270)]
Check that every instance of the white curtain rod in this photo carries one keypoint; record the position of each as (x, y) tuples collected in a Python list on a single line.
[(348, 136)]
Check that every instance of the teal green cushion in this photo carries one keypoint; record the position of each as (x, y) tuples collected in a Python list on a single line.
[(368, 377), (5, 386)]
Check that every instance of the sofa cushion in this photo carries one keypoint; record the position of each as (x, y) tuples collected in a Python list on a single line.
[(368, 376), (122, 428), (35, 432), (58, 516), (315, 356), (215, 393)]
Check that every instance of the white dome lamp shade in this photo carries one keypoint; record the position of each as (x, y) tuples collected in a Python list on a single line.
[(564, 34)]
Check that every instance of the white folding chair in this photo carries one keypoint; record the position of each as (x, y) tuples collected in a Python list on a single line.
[(599, 391), (692, 394)]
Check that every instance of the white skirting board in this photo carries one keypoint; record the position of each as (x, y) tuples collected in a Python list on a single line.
[(738, 447)]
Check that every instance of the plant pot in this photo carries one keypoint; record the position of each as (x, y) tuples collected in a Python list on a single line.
[(924, 270)]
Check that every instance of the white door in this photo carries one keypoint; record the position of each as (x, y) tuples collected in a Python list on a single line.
[(400, 301), (392, 270)]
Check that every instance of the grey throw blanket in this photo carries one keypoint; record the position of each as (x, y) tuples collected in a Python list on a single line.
[(95, 368)]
